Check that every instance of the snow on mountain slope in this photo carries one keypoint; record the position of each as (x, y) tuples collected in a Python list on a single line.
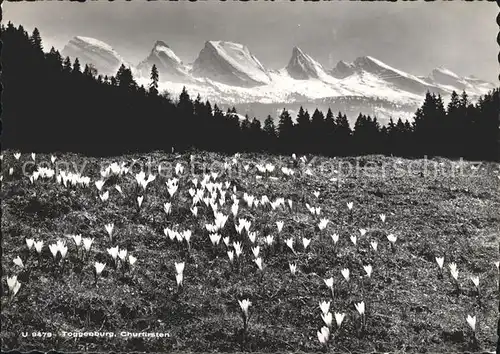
[(397, 78), (230, 63), (302, 67), (93, 51), (448, 79), (342, 70), (169, 66)]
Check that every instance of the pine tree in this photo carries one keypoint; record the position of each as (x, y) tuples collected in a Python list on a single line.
[(329, 133), (155, 77), (302, 131), (67, 65), (317, 132), (285, 131), (76, 66), (36, 40), (343, 134), (124, 78)]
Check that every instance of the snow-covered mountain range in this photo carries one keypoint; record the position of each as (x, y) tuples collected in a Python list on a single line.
[(229, 74)]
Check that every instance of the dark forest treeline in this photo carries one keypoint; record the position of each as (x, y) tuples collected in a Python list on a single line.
[(52, 104)]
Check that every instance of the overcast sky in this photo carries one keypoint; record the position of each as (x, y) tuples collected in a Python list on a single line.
[(415, 37)]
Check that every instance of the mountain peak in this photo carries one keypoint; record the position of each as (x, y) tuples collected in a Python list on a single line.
[(167, 62), (342, 70), (302, 67), (93, 51), (230, 63), (161, 44)]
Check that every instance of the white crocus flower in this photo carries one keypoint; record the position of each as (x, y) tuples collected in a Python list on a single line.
[(339, 318), (109, 229), (17, 155), (289, 243), (382, 217), (122, 254), (167, 207), (38, 246), (252, 236), (258, 261), (131, 259), (77, 239), (63, 250), (11, 171), (327, 318), (99, 184), (255, 251), (293, 268), (362, 232), (440, 262), (87, 243), (244, 305), (323, 223), (350, 205), (475, 280), (392, 238), (329, 283), (19, 262), (354, 239), (11, 282), (269, 240), (325, 307), (345, 273), (368, 269), (360, 307), (54, 249), (230, 255), (305, 242), (471, 320), (323, 335), (215, 239), (29, 243), (226, 241), (104, 196), (374, 245), (99, 267), (179, 277), (113, 252), (238, 249), (280, 224), (335, 238), (453, 270), (179, 267), (139, 200)]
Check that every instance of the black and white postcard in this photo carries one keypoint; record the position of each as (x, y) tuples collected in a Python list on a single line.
[(250, 176)]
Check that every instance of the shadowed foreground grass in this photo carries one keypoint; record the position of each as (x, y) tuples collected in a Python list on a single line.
[(409, 305)]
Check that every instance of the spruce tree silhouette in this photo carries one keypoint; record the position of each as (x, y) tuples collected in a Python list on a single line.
[(155, 78), (317, 134), (270, 134), (329, 127), (302, 132)]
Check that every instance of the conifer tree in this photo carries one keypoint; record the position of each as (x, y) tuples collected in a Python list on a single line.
[(155, 77), (285, 131)]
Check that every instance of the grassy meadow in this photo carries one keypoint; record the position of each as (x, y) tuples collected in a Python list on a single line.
[(207, 231)]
